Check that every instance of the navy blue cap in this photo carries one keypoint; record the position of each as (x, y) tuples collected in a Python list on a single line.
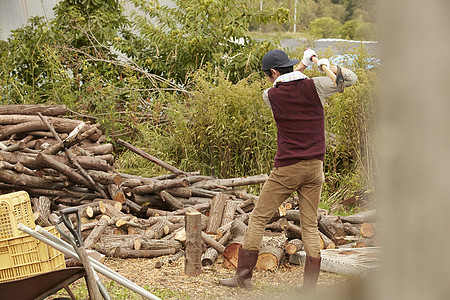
[(277, 59)]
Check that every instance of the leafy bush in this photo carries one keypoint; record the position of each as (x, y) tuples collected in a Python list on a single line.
[(221, 126), (367, 31), (348, 29), (324, 28)]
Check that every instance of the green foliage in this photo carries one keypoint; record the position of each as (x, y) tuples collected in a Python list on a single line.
[(324, 27), (221, 126), (184, 90), (366, 31), (348, 29), (357, 30), (176, 41), (350, 118)]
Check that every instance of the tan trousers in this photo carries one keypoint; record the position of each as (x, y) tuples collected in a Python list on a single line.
[(306, 177)]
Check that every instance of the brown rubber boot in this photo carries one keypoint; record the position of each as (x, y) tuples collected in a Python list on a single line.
[(311, 273), (246, 262)]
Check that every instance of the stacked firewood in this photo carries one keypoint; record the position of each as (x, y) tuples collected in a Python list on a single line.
[(63, 163)]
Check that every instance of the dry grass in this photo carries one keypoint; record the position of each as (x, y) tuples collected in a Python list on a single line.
[(170, 282)]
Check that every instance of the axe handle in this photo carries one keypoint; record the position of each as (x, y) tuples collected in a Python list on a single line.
[(326, 70)]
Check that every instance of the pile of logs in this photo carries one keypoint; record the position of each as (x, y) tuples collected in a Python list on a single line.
[(62, 162)]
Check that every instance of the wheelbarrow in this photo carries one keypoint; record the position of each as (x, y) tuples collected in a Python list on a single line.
[(42, 285), (65, 278)]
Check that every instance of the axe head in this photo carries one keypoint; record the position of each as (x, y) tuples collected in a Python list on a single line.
[(340, 80)]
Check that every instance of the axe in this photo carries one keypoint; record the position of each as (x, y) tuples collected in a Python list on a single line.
[(338, 79)]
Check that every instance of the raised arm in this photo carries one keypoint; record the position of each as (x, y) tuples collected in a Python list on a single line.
[(325, 87)]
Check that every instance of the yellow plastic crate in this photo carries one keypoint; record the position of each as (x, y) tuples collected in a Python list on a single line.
[(15, 208), (24, 256)]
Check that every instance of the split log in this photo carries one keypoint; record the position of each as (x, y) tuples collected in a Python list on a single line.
[(228, 212), (42, 208), (293, 246), (326, 242), (249, 201), (193, 266), (362, 217), (231, 252), (116, 193), (216, 213)]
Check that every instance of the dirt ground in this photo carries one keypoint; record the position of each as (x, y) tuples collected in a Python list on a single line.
[(170, 282)]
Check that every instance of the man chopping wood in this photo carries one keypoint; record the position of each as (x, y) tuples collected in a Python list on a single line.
[(297, 103)]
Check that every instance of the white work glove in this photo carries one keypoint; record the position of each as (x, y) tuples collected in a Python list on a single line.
[(307, 55), (323, 62)]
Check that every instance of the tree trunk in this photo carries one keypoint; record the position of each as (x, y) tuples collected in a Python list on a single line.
[(193, 260)]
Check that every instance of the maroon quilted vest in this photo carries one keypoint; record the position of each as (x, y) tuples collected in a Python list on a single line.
[(299, 116)]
